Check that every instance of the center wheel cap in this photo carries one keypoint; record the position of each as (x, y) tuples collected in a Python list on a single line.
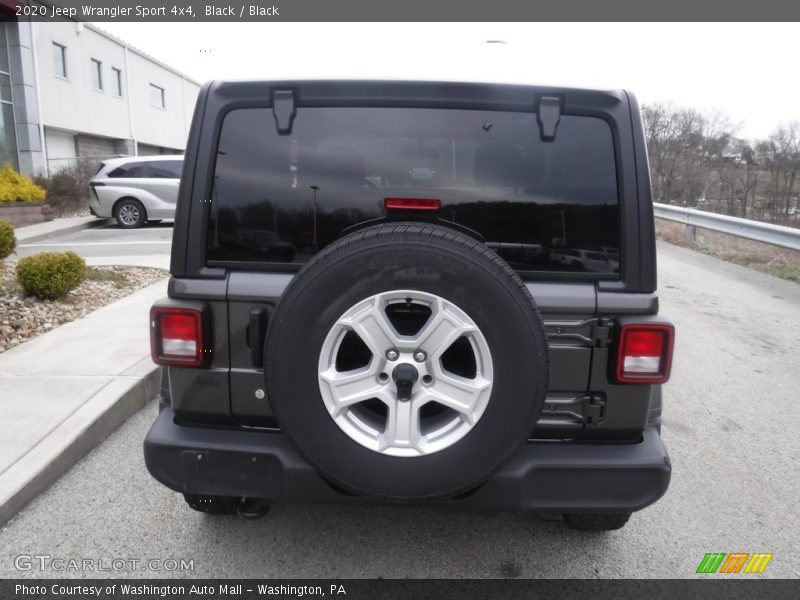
[(405, 376)]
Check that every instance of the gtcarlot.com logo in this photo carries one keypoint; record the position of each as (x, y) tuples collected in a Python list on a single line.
[(734, 562), (46, 562)]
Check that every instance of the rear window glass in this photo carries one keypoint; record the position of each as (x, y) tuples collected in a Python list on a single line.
[(531, 201), (133, 169), (165, 169)]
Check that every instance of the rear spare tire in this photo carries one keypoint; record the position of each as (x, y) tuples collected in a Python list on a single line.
[(406, 362)]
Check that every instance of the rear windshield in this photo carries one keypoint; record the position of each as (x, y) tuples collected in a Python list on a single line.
[(543, 206)]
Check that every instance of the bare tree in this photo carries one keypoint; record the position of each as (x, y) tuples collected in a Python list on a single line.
[(696, 158), (737, 173), (781, 157), (747, 178), (685, 146)]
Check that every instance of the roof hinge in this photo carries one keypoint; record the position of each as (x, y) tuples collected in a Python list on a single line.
[(548, 117), (284, 109)]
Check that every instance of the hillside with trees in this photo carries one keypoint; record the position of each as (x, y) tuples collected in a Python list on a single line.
[(698, 160)]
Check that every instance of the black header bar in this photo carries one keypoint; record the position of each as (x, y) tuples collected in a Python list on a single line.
[(187, 11)]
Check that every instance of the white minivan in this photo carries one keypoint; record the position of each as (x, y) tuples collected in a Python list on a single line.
[(136, 189)]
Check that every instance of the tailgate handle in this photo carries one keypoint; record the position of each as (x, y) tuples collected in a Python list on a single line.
[(256, 333)]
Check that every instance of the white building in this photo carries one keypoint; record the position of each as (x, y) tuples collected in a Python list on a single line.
[(71, 92)]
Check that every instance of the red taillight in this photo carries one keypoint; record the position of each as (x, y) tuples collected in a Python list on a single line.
[(644, 354), (176, 336), (412, 203)]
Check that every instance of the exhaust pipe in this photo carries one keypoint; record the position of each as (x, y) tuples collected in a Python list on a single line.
[(253, 508)]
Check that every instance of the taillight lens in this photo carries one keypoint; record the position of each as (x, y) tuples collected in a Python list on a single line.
[(645, 352), (176, 336)]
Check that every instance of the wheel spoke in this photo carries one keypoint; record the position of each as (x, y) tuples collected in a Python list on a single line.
[(441, 331), (373, 327), (402, 426), (350, 387), (458, 393)]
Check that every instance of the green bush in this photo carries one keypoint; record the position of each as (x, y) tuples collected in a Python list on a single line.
[(50, 275), (14, 186), (8, 241)]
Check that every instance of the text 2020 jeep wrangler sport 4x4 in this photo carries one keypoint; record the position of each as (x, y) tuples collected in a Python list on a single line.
[(407, 291)]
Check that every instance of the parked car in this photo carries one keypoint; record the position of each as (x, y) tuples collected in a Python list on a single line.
[(584, 260), (135, 190), (423, 346)]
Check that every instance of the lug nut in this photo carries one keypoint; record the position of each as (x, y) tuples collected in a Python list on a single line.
[(420, 356), (392, 354)]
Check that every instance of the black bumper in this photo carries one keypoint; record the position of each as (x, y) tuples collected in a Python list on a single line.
[(544, 477)]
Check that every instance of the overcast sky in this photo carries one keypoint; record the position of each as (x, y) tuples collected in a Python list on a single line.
[(747, 70)]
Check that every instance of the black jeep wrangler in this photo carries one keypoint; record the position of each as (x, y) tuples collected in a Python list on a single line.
[(413, 292)]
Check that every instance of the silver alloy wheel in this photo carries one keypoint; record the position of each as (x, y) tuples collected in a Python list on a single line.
[(129, 214), (452, 403)]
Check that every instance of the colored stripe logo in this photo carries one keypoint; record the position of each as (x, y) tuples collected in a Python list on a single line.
[(735, 562)]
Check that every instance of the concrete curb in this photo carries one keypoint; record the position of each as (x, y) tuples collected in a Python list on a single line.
[(74, 438), (22, 237)]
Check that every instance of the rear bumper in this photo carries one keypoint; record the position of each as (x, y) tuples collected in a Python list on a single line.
[(544, 477), (96, 208)]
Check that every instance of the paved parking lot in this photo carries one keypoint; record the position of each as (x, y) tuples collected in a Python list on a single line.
[(109, 244), (730, 424)]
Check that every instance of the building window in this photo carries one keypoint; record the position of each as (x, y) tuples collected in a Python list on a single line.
[(8, 134), (117, 81), (97, 74), (4, 66), (157, 96), (8, 138), (5, 85), (60, 60)]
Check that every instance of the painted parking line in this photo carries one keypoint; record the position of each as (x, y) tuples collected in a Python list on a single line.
[(116, 229), (94, 244)]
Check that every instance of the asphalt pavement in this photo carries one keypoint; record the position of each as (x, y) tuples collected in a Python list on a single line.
[(109, 244), (65, 390), (730, 420)]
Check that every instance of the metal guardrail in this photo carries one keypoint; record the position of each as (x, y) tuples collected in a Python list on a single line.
[(777, 235)]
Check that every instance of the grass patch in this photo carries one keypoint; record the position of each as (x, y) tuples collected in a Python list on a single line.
[(774, 267), (118, 279)]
